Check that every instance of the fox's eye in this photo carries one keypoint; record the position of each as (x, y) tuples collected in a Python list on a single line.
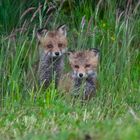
[(60, 45), (49, 46), (87, 65), (76, 66)]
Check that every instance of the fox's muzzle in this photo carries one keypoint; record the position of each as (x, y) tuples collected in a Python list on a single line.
[(81, 75), (56, 53)]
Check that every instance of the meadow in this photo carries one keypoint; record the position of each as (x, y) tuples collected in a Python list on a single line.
[(111, 26)]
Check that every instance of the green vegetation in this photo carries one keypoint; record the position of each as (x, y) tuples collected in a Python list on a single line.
[(112, 27)]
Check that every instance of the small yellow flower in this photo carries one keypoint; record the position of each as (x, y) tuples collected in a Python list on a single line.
[(104, 25), (112, 38)]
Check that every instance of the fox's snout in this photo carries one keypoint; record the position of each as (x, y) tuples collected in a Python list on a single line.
[(84, 73), (80, 74), (55, 53)]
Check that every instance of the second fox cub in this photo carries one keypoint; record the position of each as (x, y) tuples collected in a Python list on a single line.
[(84, 73), (53, 45)]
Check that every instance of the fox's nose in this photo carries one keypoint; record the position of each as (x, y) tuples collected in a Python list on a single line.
[(57, 53), (80, 75)]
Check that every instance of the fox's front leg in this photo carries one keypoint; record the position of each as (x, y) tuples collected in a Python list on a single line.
[(58, 70), (45, 76), (76, 87), (57, 76), (90, 90)]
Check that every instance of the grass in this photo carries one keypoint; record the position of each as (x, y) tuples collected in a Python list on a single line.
[(115, 112)]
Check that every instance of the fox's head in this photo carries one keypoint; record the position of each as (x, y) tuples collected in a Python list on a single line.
[(54, 43), (84, 63)]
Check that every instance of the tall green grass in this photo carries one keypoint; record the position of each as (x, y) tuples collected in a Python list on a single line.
[(28, 112)]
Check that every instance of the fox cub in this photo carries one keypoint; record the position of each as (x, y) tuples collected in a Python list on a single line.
[(84, 73), (52, 47)]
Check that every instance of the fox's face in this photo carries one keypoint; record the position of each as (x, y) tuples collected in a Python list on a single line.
[(84, 63), (54, 43)]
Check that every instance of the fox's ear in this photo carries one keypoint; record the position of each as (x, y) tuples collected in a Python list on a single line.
[(41, 33), (70, 52), (95, 51), (62, 30)]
